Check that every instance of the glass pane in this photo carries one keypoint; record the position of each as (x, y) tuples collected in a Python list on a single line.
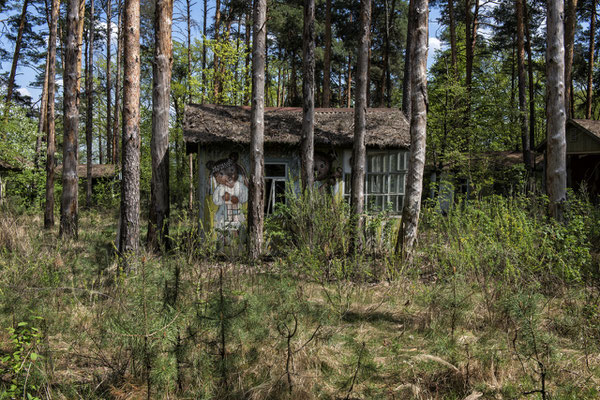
[(401, 179), (386, 165), (275, 170), (280, 191), (370, 163), (386, 180), (393, 162), (394, 183), (347, 183)]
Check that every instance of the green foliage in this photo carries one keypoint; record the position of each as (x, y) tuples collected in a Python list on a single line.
[(21, 362), (511, 238)]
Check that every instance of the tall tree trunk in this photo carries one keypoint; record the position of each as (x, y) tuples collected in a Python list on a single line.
[(117, 113), (204, 80), (189, 89), (327, 57), (158, 224), (556, 168), (257, 157), (79, 39), (530, 80), (216, 61), (247, 78), (109, 141), (15, 61), (360, 124), (406, 86), (386, 84), (570, 26), (590, 77), (523, 87), (70, 180), (42, 124), (89, 91), (50, 138), (452, 26), (468, 56), (418, 132), (308, 95), (349, 83), (129, 235)]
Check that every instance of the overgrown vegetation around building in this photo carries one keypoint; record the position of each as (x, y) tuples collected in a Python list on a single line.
[(499, 300)]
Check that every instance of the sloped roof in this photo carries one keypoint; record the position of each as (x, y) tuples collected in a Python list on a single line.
[(98, 170), (492, 159), (16, 164), (589, 125), (215, 124)]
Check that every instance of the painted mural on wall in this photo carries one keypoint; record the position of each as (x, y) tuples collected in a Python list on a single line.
[(327, 176), (229, 187)]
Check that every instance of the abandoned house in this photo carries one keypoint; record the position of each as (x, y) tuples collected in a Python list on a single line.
[(221, 137), (583, 155)]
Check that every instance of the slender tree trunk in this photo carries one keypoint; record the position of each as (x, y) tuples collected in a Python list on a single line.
[(204, 80), (51, 149), (42, 124), (189, 89), (452, 26), (257, 157), (216, 61), (590, 77), (556, 168), (418, 132), (360, 124), (69, 198), (308, 95), (406, 86), (89, 90), (129, 235), (349, 83), (386, 84), (158, 224), (117, 113), (530, 80), (468, 56), (523, 87), (327, 57), (569, 41), (15, 61), (247, 77), (79, 37), (109, 141)]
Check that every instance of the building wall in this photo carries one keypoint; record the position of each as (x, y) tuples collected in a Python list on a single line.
[(580, 142)]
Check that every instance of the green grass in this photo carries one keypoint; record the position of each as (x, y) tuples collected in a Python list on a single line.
[(454, 323)]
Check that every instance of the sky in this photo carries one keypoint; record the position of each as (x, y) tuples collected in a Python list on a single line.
[(25, 75)]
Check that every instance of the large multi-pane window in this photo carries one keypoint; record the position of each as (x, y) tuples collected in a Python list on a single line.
[(384, 180)]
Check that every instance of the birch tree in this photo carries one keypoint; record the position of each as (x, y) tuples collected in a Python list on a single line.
[(50, 139), (308, 95), (360, 123), (556, 146), (129, 233), (158, 225), (418, 131), (70, 181), (89, 90), (257, 156)]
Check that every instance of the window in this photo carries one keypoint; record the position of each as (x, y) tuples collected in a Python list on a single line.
[(384, 181), (275, 178)]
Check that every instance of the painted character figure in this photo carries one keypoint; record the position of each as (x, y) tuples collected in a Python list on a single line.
[(325, 174), (230, 192)]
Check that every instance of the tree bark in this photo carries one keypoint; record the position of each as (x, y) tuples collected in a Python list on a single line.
[(452, 26), (129, 235), (204, 81), (556, 168), (42, 124), (158, 224), (406, 86), (117, 113), (89, 120), (357, 198), (247, 77), (349, 83), (590, 77), (79, 37), (69, 198), (308, 95), (418, 132), (530, 80), (569, 41), (109, 141), (216, 61), (15, 61), (257, 161), (327, 57), (189, 89), (50, 140), (523, 87)]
